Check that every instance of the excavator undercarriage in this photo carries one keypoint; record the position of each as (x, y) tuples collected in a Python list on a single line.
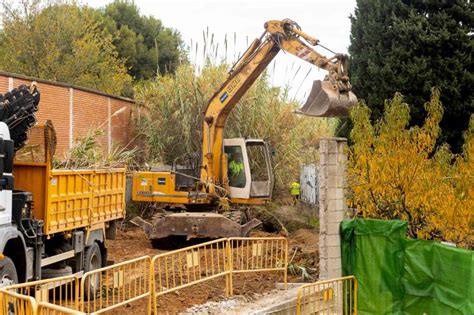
[(194, 225)]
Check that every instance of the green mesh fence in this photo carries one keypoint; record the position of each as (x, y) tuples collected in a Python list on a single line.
[(401, 276)]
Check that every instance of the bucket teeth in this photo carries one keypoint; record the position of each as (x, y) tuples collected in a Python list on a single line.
[(326, 101)]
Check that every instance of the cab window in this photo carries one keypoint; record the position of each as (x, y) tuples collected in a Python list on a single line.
[(236, 169), (257, 161)]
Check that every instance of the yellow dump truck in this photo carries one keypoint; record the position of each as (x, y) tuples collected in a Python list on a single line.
[(60, 218)]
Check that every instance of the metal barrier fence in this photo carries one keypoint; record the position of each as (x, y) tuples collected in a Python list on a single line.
[(62, 291), (18, 304), (335, 296), (51, 309), (181, 268), (257, 254), (107, 288), (113, 286)]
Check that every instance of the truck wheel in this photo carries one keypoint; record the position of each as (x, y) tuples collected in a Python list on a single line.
[(48, 273), (93, 261), (8, 275)]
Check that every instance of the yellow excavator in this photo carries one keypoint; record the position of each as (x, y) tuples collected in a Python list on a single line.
[(237, 169)]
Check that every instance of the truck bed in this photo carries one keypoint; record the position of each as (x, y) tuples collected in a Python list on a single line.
[(72, 199)]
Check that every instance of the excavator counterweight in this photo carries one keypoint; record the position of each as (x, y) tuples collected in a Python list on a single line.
[(325, 100)]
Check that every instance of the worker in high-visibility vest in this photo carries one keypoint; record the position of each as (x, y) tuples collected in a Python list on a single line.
[(236, 171), (295, 191)]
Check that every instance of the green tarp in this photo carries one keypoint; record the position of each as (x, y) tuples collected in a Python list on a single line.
[(401, 276)]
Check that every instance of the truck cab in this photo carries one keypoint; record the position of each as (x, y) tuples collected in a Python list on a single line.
[(11, 239)]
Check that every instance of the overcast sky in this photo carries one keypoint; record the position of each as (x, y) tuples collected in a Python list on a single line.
[(327, 20)]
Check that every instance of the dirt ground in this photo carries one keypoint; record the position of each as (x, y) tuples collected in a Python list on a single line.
[(132, 242)]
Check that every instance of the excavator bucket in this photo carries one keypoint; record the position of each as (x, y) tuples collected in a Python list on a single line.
[(326, 101)]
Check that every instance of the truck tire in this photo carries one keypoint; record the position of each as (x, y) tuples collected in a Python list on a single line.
[(48, 273), (8, 275), (92, 261)]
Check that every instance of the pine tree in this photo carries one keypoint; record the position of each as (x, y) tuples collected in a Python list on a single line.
[(411, 46)]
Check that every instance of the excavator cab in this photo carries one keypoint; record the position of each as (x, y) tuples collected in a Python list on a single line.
[(249, 170), (325, 100)]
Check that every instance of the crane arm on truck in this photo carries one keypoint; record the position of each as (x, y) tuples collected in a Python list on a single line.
[(17, 111), (331, 97)]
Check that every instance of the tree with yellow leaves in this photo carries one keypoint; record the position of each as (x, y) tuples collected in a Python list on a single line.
[(398, 172)]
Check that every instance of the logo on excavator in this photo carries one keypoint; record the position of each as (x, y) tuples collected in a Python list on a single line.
[(233, 84)]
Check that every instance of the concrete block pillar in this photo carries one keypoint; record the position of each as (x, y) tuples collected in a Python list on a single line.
[(332, 204)]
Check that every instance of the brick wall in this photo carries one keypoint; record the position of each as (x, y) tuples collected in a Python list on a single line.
[(74, 110)]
